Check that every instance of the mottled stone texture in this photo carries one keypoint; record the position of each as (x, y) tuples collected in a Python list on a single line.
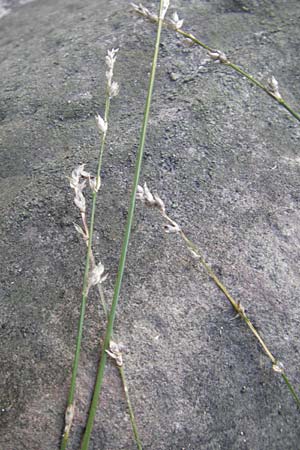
[(225, 159)]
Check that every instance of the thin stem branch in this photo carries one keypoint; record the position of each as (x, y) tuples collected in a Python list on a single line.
[(71, 403), (277, 366), (130, 408), (292, 390), (109, 329), (146, 196), (236, 305), (152, 18), (253, 80)]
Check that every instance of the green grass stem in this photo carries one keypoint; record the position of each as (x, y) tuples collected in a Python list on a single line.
[(110, 324)]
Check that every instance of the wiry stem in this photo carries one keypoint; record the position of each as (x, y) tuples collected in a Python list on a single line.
[(277, 365), (146, 196), (170, 24), (130, 408), (109, 329), (236, 305)]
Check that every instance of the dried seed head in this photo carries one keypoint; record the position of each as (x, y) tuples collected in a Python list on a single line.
[(101, 124), (135, 7), (139, 193), (145, 195), (175, 16), (278, 367), (115, 352), (95, 183), (148, 196), (114, 89), (96, 275), (273, 84), (113, 347), (69, 415), (77, 173), (110, 60), (92, 183), (80, 231), (140, 9), (218, 56), (172, 227), (273, 87), (79, 199), (241, 309), (150, 199), (159, 203), (175, 23)]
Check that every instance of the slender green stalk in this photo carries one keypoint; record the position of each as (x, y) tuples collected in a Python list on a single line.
[(145, 13), (71, 403), (109, 329), (292, 390), (130, 408), (277, 366)]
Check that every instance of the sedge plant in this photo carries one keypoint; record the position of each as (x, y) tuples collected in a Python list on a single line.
[(94, 274), (109, 330)]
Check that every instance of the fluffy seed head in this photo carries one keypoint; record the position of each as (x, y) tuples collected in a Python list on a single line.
[(114, 89), (273, 87), (101, 124), (115, 352), (96, 276), (110, 60), (144, 194), (175, 23)]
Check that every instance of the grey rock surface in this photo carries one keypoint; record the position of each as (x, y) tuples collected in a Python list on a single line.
[(225, 159)]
